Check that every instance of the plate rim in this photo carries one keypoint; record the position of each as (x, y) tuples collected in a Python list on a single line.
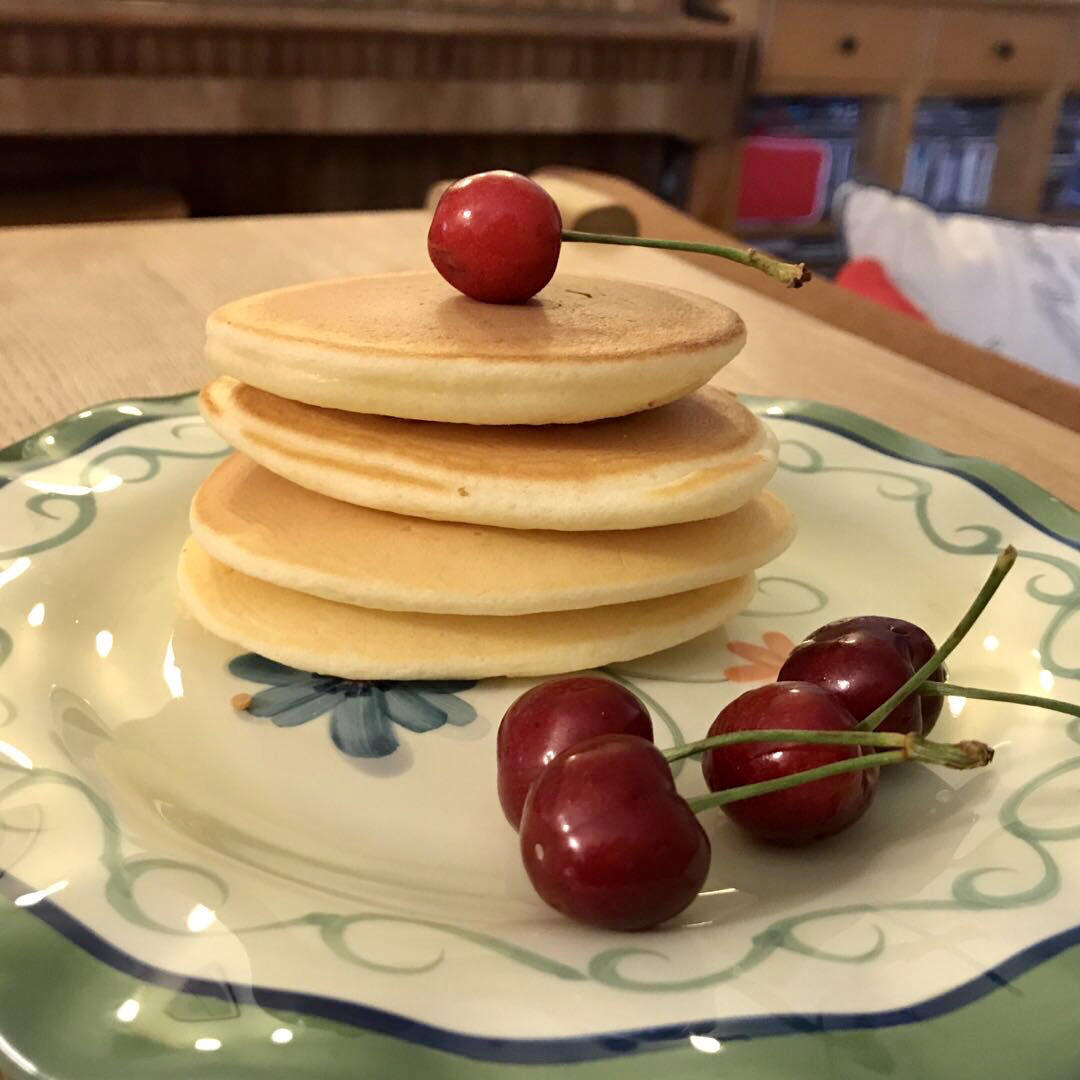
[(565, 1050)]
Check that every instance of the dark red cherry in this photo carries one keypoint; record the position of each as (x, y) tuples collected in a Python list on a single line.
[(607, 840), (908, 638), (800, 814), (552, 717), (496, 237), (860, 670)]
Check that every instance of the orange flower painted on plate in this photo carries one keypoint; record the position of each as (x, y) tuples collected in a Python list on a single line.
[(765, 660)]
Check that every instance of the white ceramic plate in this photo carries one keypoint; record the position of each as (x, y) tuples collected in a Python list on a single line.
[(193, 889)]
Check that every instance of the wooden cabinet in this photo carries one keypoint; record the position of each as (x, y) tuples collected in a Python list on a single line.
[(1024, 54), (293, 105), (991, 51), (1072, 68), (861, 46)]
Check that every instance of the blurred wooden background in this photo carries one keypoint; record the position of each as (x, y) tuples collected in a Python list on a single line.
[(256, 107)]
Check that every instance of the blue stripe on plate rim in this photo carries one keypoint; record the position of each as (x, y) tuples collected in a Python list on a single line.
[(563, 1051)]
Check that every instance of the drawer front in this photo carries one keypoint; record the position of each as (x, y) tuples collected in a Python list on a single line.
[(988, 49), (813, 44), (1074, 57)]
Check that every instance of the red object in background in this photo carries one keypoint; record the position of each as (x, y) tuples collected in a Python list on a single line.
[(783, 179), (867, 277)]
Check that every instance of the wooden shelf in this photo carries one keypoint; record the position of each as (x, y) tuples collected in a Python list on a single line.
[(285, 16)]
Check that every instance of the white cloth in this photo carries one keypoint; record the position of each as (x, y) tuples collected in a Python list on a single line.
[(1004, 285)]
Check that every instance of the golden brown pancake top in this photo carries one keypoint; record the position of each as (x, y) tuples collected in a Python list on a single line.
[(265, 514), (708, 423), (418, 316)]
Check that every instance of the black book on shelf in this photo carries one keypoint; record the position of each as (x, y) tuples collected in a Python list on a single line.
[(951, 158), (1063, 176)]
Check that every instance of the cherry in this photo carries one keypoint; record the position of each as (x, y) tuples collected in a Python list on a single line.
[(860, 670), (862, 661), (801, 814), (607, 840), (552, 717), (904, 635), (496, 236)]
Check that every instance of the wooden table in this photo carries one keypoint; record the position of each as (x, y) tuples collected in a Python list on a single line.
[(104, 311)]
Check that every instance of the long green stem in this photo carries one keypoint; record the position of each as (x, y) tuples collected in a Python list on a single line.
[(1002, 566), (965, 755), (890, 739), (945, 689), (766, 787), (791, 274)]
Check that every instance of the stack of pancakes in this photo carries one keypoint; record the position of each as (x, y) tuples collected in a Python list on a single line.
[(430, 487)]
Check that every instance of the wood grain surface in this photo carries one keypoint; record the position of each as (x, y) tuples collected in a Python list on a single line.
[(89, 313), (283, 15)]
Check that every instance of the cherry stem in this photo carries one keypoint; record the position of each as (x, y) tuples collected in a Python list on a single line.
[(945, 689), (963, 755), (1002, 566), (790, 274), (781, 783), (975, 754)]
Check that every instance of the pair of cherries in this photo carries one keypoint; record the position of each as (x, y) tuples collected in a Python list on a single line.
[(831, 681), (605, 837)]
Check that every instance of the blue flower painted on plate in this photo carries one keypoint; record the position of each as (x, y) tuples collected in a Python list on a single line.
[(362, 714)]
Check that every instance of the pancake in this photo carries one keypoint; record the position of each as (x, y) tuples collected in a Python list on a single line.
[(352, 642), (696, 458), (259, 523), (409, 345)]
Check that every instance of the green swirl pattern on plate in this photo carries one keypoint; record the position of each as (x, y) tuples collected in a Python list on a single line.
[(815, 599), (986, 540), (84, 500)]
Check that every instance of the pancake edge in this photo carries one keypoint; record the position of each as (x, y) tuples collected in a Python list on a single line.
[(553, 661), (682, 492), (443, 601), (466, 391)]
